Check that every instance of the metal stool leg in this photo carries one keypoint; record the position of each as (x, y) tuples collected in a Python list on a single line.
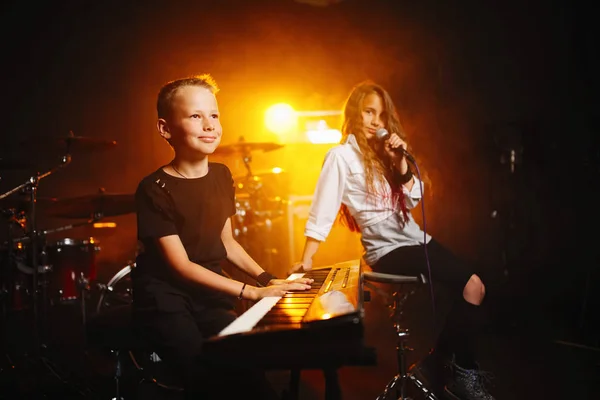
[(118, 374), (398, 383)]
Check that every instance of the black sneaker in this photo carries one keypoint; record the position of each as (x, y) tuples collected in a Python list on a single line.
[(431, 372), (467, 384)]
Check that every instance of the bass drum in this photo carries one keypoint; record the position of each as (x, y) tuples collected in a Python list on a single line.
[(73, 266)]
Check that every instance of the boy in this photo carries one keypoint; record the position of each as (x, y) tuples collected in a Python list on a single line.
[(180, 293)]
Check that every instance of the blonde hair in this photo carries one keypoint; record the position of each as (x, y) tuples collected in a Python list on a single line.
[(169, 90)]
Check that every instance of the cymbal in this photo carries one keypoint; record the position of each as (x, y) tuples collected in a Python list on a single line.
[(104, 204), (247, 147), (14, 164), (21, 203), (87, 142), (87, 229), (70, 143), (258, 175)]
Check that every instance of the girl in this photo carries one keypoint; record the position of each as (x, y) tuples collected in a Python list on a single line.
[(369, 184)]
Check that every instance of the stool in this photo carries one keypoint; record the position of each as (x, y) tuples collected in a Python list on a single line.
[(112, 331), (398, 298)]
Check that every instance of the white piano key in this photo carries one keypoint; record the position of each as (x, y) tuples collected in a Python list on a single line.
[(254, 314)]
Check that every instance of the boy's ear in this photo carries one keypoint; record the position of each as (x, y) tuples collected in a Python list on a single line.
[(163, 129)]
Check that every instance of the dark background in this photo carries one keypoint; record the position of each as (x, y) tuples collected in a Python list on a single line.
[(472, 81)]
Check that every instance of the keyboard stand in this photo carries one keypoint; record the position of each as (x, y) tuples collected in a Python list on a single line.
[(333, 391)]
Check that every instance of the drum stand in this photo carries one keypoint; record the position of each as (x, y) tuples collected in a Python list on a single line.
[(38, 361), (6, 267), (264, 254), (83, 284)]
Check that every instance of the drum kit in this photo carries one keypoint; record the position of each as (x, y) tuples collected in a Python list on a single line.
[(258, 200), (38, 274)]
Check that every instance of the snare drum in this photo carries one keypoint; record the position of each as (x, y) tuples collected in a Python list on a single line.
[(73, 264)]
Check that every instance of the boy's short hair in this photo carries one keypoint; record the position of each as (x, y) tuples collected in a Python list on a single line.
[(169, 90)]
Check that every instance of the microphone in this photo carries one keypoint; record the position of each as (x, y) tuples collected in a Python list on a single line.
[(382, 135)]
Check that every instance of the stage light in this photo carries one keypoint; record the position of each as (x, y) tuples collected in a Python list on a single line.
[(320, 133), (281, 119)]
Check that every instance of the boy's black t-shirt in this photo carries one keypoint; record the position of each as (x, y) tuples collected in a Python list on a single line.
[(196, 210)]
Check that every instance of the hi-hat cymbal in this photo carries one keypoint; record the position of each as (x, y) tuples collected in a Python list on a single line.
[(6, 163), (104, 205), (246, 147)]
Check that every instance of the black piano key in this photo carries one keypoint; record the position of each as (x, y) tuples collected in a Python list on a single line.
[(292, 312), (296, 300), (319, 281), (316, 275), (279, 320), (299, 295), (318, 271), (313, 292), (276, 327), (318, 278), (291, 305)]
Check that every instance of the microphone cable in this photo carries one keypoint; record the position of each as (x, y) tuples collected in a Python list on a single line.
[(414, 162), (382, 134)]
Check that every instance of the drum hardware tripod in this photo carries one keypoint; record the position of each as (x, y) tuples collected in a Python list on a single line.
[(30, 188), (5, 274), (36, 359)]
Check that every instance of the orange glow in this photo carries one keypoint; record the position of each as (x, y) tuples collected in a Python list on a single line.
[(281, 119), (105, 225)]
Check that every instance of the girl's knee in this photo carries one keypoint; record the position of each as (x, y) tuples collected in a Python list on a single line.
[(474, 290)]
